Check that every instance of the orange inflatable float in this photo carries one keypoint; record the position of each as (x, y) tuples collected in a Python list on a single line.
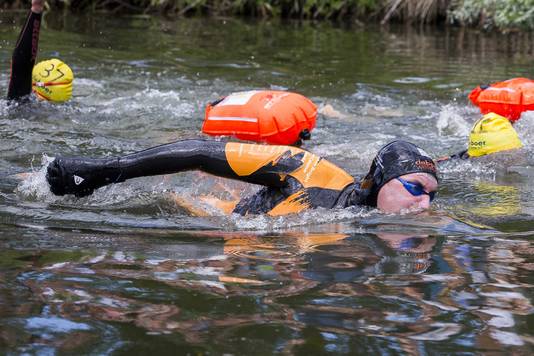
[(274, 117), (509, 98)]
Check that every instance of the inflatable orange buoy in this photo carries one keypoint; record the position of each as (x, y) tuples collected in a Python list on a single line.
[(274, 117), (509, 98)]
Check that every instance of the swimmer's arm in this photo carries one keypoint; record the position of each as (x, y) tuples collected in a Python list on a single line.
[(179, 156), (80, 176), (460, 155), (257, 164), (25, 53)]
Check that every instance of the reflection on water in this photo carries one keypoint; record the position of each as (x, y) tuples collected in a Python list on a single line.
[(130, 269), (329, 291)]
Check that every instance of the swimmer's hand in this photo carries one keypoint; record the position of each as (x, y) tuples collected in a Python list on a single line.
[(37, 6), (80, 176)]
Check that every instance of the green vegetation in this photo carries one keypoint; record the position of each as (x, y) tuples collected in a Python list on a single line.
[(504, 15)]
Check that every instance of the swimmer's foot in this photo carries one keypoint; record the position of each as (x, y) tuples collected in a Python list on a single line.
[(81, 176)]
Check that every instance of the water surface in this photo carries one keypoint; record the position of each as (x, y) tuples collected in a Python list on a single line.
[(129, 270)]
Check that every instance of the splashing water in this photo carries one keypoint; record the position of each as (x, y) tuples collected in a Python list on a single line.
[(309, 217), (34, 185), (451, 121)]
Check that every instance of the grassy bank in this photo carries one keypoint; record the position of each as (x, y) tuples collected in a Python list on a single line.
[(504, 15)]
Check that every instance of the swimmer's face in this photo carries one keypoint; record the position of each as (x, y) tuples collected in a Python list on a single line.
[(393, 197)]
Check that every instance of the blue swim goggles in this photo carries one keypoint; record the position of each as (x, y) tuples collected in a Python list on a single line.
[(416, 189)]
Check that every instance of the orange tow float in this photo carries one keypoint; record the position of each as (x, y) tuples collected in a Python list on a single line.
[(274, 117), (509, 98)]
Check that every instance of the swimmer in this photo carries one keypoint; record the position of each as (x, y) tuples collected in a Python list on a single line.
[(50, 80), (490, 134), (402, 176)]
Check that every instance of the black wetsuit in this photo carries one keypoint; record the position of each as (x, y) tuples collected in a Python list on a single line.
[(294, 179), (23, 60)]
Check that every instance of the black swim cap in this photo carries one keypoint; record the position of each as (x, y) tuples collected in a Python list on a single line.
[(394, 160)]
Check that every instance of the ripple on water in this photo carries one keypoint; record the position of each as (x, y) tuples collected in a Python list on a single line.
[(413, 80), (443, 331), (55, 324), (501, 318), (506, 338)]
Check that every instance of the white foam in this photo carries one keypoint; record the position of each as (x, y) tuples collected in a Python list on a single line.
[(95, 84), (309, 217), (470, 168), (451, 121), (525, 128), (34, 185)]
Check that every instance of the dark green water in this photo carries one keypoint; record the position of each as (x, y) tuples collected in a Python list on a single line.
[(128, 271)]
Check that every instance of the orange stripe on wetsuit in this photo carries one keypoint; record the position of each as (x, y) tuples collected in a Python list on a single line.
[(311, 176)]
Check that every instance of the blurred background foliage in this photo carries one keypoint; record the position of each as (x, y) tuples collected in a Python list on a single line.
[(504, 15)]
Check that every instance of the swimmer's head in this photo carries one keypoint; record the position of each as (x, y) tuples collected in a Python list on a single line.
[(52, 80), (402, 176), (492, 133)]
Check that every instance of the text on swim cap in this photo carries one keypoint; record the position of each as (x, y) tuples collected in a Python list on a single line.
[(426, 165)]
